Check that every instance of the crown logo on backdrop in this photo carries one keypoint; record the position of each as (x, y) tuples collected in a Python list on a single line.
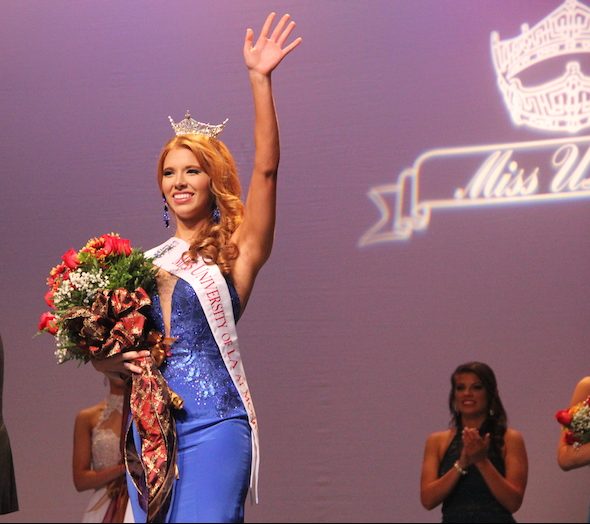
[(190, 126), (562, 104)]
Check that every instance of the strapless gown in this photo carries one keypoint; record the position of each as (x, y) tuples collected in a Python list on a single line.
[(214, 440)]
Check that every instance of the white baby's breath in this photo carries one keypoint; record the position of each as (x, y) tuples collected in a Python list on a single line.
[(581, 420), (85, 284)]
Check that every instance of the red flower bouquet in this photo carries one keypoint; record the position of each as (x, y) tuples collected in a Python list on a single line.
[(576, 423), (97, 297)]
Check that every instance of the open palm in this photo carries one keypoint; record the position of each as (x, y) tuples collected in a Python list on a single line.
[(268, 51)]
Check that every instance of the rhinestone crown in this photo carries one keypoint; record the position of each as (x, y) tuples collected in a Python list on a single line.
[(190, 126)]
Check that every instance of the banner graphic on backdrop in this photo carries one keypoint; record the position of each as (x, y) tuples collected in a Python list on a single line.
[(512, 173)]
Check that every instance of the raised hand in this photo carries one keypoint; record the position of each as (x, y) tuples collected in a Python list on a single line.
[(268, 51)]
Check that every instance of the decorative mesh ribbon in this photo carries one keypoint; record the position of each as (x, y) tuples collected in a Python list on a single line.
[(114, 324), (154, 472), (118, 497)]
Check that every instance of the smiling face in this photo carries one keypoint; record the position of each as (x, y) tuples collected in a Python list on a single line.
[(469, 394), (186, 187)]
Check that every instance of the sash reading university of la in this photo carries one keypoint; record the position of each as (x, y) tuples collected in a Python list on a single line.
[(213, 294)]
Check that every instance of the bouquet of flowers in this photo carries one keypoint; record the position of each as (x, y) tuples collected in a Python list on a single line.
[(576, 423), (97, 297)]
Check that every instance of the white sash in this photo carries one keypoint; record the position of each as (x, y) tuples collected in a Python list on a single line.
[(213, 294)]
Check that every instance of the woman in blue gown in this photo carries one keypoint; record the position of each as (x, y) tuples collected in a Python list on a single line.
[(216, 457)]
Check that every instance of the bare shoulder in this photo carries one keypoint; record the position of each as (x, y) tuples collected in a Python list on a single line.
[(513, 437), (88, 417), (583, 387), (439, 439)]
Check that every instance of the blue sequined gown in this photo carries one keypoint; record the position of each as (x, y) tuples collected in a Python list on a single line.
[(214, 441)]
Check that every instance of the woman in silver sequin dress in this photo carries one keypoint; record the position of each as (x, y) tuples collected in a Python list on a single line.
[(97, 463)]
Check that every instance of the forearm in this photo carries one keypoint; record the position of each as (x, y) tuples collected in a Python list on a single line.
[(505, 492), (569, 457), (94, 479), (435, 492), (266, 129)]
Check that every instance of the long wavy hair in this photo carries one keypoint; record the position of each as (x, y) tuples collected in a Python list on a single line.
[(496, 421), (213, 242)]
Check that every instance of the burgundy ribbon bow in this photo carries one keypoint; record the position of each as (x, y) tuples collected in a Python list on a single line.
[(154, 472), (114, 324)]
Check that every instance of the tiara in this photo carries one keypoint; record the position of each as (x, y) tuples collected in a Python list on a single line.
[(562, 104), (190, 126)]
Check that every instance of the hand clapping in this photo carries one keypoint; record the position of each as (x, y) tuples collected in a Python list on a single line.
[(475, 447)]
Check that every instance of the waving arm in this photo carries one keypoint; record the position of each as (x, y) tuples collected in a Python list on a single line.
[(254, 237)]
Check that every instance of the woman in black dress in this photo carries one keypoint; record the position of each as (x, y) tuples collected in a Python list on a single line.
[(478, 468)]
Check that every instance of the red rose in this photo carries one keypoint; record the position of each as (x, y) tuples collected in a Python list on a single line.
[(125, 246), (47, 323), (564, 417), (70, 257), (49, 298), (117, 246)]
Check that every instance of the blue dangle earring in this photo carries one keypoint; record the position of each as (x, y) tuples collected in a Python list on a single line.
[(216, 215), (166, 215)]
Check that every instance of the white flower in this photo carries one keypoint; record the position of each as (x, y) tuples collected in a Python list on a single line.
[(83, 284)]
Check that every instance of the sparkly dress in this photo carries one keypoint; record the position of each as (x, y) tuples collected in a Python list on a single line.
[(471, 500), (214, 441), (106, 452)]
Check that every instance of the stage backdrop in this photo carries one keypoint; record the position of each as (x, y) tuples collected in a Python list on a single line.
[(432, 209)]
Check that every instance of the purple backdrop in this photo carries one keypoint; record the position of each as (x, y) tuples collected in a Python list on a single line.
[(348, 348)]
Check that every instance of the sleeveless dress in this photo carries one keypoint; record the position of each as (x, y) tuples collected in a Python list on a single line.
[(214, 440), (8, 492), (471, 500), (106, 452)]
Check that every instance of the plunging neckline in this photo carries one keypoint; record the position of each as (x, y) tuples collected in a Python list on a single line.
[(166, 285), (166, 297)]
